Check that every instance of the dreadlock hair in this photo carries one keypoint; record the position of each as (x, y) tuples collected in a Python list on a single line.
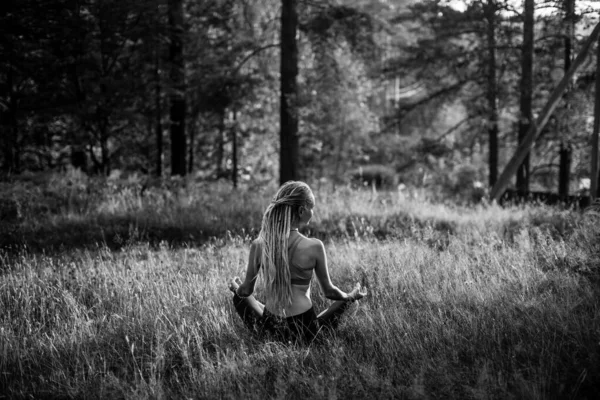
[(274, 240)]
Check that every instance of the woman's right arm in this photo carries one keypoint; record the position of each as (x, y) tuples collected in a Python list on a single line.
[(331, 291), (247, 287)]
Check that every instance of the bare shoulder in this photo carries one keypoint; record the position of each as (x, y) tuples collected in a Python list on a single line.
[(315, 246)]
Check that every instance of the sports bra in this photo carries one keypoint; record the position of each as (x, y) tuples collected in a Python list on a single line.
[(299, 275)]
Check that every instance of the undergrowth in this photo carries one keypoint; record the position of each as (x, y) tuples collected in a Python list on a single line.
[(58, 212)]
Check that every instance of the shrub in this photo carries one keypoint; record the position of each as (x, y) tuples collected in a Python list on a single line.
[(464, 184), (380, 176)]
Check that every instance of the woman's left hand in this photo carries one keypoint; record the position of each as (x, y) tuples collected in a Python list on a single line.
[(358, 292)]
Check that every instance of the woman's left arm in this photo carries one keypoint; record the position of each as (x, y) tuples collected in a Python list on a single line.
[(247, 287)]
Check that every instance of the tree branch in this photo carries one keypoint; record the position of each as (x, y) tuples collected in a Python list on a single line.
[(434, 96), (252, 54)]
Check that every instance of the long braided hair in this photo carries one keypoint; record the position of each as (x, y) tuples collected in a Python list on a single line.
[(274, 240)]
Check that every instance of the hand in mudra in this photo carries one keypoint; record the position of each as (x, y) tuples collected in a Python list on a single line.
[(235, 283), (358, 292)]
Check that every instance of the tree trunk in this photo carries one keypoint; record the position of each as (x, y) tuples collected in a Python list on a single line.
[(15, 151), (565, 147), (492, 93), (192, 134), (536, 128), (158, 113), (5, 135), (97, 166), (177, 111), (340, 146), (234, 151), (594, 175), (288, 134), (10, 151), (221, 143), (104, 148), (10, 122), (526, 117), (564, 171)]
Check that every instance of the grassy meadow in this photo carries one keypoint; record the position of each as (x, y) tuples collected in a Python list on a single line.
[(118, 289)]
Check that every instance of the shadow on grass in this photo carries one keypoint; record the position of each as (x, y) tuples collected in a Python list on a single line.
[(113, 232), (116, 232)]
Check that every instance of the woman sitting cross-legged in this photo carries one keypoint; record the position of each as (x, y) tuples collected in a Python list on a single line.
[(288, 259)]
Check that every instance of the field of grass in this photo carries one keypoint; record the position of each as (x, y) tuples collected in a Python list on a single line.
[(116, 291)]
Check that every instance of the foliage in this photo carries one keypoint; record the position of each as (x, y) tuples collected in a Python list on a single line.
[(374, 175), (382, 82), (446, 59), (337, 69)]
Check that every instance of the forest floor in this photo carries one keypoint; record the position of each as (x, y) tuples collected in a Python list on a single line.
[(119, 290)]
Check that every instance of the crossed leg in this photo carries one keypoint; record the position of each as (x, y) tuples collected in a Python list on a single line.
[(251, 311), (330, 318)]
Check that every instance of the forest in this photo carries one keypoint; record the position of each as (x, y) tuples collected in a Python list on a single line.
[(141, 142), (433, 94)]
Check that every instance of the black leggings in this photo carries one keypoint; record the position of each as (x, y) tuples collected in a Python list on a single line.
[(302, 327)]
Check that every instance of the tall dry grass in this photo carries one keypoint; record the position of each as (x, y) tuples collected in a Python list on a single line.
[(463, 303)]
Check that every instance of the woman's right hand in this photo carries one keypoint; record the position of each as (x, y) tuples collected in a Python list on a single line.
[(235, 283), (358, 292)]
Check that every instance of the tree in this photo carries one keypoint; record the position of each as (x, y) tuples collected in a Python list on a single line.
[(178, 89), (492, 92), (526, 115), (288, 135), (106, 55), (158, 114), (594, 175), (227, 43), (158, 129), (535, 129), (8, 119), (31, 79), (458, 58), (338, 65), (565, 147)]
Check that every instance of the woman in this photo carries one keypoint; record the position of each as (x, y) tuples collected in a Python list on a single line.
[(288, 259)]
